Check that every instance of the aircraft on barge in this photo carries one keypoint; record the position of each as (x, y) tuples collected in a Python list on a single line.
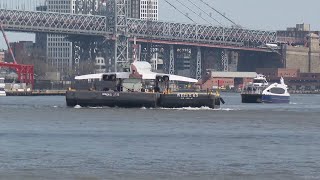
[(140, 87)]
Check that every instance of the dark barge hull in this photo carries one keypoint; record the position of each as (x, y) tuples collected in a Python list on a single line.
[(137, 99), (251, 98)]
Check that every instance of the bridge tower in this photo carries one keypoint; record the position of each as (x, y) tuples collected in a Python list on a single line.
[(85, 49), (121, 33), (117, 12)]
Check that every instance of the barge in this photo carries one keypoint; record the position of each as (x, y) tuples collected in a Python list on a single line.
[(140, 87)]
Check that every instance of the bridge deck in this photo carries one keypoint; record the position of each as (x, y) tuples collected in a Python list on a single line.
[(193, 34)]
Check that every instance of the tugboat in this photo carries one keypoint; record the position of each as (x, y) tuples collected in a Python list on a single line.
[(259, 91), (140, 87)]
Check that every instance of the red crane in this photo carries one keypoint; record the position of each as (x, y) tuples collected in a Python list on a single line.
[(25, 72)]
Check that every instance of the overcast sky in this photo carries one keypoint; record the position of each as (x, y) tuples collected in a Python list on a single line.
[(254, 14)]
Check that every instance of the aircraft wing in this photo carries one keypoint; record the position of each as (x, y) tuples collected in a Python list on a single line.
[(182, 78), (89, 76), (152, 76), (121, 75)]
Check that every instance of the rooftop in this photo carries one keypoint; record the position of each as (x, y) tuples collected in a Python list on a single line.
[(233, 74)]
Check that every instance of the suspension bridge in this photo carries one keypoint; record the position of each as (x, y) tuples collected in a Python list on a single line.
[(111, 21)]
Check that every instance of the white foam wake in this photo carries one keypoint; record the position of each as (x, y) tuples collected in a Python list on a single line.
[(199, 109), (77, 107)]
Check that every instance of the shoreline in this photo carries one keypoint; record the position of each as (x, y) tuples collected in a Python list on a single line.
[(63, 92)]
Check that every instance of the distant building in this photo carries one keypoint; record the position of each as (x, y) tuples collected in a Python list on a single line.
[(149, 9), (303, 27), (145, 9), (59, 50), (135, 9), (293, 78), (42, 8), (278, 72), (2, 55), (215, 79), (295, 35), (305, 58), (21, 50), (24, 47)]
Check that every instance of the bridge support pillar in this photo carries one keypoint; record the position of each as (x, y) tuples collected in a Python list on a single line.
[(77, 57), (121, 53), (233, 61), (199, 64), (109, 55), (84, 52), (171, 62), (225, 60)]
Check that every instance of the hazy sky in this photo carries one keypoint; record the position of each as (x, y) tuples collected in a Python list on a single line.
[(255, 14)]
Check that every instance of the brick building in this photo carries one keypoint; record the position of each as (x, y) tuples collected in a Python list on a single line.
[(295, 79), (2, 55), (278, 72), (215, 79), (20, 50), (295, 35)]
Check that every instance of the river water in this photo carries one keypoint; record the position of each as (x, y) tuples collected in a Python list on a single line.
[(41, 138)]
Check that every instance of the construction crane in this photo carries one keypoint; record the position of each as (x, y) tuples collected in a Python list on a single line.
[(25, 72), (8, 44)]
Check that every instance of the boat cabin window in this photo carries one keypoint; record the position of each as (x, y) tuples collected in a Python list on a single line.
[(251, 89), (1, 89), (259, 81), (277, 90), (1, 80)]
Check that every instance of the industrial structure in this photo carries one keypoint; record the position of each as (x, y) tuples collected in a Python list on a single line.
[(25, 72)]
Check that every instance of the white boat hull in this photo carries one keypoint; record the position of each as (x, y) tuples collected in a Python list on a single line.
[(275, 99), (260, 93)]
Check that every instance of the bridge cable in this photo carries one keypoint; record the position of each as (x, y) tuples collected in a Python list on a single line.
[(219, 13), (180, 11), (194, 12), (205, 12)]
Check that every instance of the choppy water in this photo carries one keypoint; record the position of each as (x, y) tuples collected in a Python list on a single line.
[(40, 138)]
